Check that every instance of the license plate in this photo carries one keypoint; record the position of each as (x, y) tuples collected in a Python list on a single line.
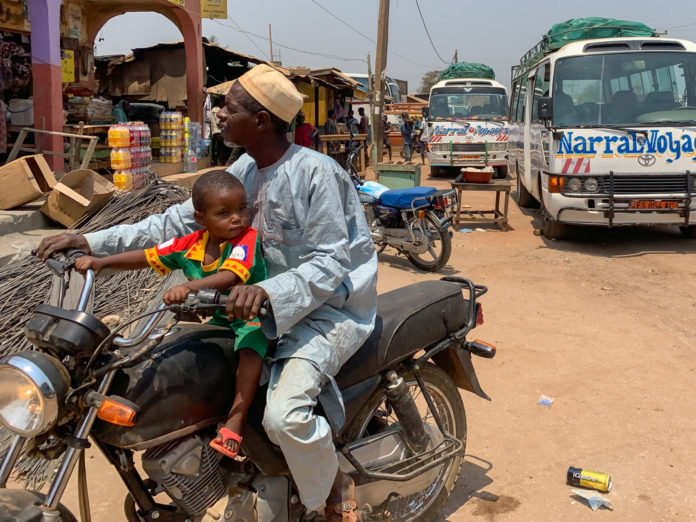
[(647, 204), (470, 156)]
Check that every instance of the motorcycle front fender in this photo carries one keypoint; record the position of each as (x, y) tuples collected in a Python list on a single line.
[(457, 363), (21, 505)]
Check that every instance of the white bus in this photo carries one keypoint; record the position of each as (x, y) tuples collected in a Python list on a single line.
[(467, 125), (603, 132)]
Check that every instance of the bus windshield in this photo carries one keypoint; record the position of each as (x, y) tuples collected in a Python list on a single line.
[(625, 89), (468, 103)]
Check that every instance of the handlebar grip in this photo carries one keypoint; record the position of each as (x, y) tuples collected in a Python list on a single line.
[(263, 311)]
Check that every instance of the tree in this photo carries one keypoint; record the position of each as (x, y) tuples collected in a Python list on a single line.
[(429, 79)]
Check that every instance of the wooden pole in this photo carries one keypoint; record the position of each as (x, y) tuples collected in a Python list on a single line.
[(373, 118), (380, 66), (270, 43)]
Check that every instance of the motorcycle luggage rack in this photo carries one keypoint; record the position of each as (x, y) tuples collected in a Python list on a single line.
[(411, 467)]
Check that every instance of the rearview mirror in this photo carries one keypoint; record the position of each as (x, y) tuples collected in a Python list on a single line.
[(545, 108), (425, 111)]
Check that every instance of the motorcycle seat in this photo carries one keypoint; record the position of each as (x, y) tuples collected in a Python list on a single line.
[(403, 198), (409, 319)]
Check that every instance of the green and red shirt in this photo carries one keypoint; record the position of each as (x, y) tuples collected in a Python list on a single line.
[(241, 255)]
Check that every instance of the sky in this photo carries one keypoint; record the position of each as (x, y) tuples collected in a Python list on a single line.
[(341, 34)]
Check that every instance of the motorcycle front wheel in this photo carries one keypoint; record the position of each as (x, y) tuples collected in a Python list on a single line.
[(439, 247), (377, 416)]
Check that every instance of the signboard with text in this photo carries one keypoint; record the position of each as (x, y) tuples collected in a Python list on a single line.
[(213, 8)]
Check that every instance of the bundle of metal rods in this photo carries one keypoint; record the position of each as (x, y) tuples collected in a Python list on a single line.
[(26, 283)]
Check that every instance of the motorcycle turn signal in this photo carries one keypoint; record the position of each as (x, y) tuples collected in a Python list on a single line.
[(481, 348)]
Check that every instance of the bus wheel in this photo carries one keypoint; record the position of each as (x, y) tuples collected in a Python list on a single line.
[(434, 171), (524, 198), (688, 232), (551, 228), (501, 172)]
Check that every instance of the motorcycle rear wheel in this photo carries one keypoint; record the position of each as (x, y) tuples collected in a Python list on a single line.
[(376, 416), (437, 255)]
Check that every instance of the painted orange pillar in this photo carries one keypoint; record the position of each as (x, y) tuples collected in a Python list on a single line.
[(191, 28), (46, 73)]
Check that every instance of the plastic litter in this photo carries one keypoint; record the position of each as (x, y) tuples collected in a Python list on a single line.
[(594, 499), (545, 401), (464, 230)]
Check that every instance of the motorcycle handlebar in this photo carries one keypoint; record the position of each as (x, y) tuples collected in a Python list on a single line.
[(210, 299)]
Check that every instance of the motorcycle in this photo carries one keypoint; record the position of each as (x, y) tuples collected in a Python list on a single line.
[(163, 391), (415, 221)]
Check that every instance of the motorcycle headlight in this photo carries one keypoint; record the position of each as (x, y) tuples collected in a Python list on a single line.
[(32, 388)]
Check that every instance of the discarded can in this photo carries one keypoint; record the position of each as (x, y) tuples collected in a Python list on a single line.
[(589, 479)]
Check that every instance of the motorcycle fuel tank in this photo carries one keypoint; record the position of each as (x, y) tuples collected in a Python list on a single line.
[(186, 385)]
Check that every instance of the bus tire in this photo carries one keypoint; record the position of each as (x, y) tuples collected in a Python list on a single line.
[(552, 228), (435, 171), (501, 172), (688, 232), (524, 198)]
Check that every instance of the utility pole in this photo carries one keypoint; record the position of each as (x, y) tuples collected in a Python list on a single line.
[(270, 43), (371, 96), (456, 57), (380, 66)]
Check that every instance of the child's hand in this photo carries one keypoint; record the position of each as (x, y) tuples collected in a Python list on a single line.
[(176, 295), (84, 263)]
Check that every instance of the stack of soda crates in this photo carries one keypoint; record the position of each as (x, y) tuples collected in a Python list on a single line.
[(171, 137), (130, 154)]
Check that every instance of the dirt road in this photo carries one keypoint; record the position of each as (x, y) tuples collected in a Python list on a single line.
[(604, 324)]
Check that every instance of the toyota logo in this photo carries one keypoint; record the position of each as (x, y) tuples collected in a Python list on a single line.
[(646, 160)]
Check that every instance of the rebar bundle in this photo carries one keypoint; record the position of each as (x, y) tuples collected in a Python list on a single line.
[(26, 283)]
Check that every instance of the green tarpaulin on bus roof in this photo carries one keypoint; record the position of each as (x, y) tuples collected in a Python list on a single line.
[(467, 70), (592, 28)]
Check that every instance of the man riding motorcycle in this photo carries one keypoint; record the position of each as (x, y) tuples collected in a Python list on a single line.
[(322, 271)]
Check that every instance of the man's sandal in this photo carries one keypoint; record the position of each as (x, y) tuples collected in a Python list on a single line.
[(344, 511), (227, 434)]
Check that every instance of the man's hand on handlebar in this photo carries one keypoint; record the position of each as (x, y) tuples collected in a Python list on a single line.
[(84, 263), (244, 302), (53, 244), (176, 295)]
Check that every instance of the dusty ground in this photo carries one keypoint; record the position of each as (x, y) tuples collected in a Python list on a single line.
[(604, 324)]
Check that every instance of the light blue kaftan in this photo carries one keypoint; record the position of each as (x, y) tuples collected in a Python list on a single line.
[(322, 276)]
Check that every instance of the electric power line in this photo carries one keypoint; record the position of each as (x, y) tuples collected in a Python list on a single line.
[(270, 58), (365, 36), (428, 33), (275, 43)]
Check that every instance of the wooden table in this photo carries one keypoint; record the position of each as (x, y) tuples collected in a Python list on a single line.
[(484, 216), (360, 139)]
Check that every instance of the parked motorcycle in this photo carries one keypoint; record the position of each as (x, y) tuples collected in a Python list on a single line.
[(415, 220), (163, 391)]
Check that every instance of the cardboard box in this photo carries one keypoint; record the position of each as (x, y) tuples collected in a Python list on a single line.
[(24, 180), (77, 193)]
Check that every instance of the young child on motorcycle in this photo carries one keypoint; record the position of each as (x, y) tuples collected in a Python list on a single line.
[(225, 253)]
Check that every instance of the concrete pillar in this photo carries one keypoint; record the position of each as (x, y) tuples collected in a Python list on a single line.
[(191, 28), (46, 72)]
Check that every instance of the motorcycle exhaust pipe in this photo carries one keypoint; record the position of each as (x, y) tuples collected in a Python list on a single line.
[(406, 411)]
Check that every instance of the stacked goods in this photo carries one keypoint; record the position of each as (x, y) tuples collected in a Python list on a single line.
[(130, 154), (192, 142), (171, 137), (88, 109), (467, 70)]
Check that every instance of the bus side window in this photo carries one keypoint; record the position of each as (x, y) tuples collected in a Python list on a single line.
[(541, 88), (522, 103), (514, 101)]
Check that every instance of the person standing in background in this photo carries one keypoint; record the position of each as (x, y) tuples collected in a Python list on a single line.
[(207, 115), (304, 132), (221, 152), (120, 112), (387, 130), (406, 129)]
